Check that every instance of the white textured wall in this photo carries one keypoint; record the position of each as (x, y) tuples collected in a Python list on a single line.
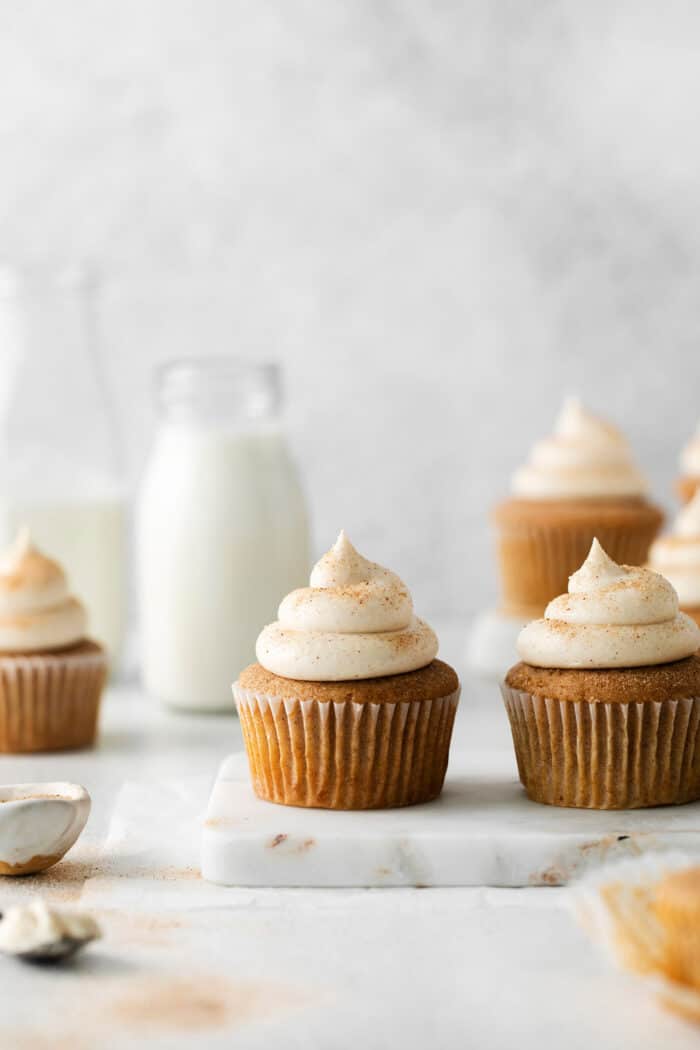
[(439, 215)]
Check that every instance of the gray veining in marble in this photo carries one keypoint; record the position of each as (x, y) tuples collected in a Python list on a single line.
[(482, 831)]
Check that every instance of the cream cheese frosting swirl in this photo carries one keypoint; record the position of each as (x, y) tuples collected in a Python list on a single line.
[(613, 616), (677, 555), (585, 458), (690, 456), (36, 611), (355, 621)]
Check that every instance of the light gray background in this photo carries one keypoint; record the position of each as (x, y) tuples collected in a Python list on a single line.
[(440, 216)]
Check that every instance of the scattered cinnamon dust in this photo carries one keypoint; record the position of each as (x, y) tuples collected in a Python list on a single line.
[(198, 1004)]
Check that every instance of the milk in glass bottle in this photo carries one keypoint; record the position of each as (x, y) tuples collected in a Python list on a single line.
[(60, 456), (222, 529)]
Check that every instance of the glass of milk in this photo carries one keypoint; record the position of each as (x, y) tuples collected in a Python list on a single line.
[(222, 532), (60, 459)]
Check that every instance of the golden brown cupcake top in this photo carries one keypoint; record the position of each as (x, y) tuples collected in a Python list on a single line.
[(629, 685), (429, 683)]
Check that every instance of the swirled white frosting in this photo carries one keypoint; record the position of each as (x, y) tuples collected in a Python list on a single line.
[(36, 611), (355, 621), (677, 555), (585, 458), (613, 616), (690, 456)]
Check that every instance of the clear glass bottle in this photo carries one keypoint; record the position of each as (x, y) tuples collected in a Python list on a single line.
[(222, 532), (60, 458)]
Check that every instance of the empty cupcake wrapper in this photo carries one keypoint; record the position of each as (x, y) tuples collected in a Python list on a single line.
[(346, 755), (606, 755)]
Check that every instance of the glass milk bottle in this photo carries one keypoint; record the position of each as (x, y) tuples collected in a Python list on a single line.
[(59, 451), (222, 530)]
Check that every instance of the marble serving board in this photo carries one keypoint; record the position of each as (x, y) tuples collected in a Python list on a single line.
[(482, 831)]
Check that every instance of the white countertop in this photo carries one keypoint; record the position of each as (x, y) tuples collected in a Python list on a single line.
[(192, 965)]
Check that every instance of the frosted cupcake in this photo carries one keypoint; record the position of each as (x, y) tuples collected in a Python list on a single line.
[(677, 557), (347, 707), (605, 707), (51, 674), (579, 483), (689, 481)]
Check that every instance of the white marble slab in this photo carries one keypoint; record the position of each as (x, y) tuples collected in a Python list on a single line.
[(482, 831)]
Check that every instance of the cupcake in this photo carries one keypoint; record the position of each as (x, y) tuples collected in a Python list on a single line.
[(646, 912), (605, 707), (347, 707), (677, 557), (578, 484), (51, 674), (689, 480)]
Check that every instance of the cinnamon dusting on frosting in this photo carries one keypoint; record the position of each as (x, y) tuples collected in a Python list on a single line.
[(355, 621), (613, 616)]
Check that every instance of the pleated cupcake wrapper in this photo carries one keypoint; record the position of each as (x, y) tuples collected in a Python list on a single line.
[(50, 702), (615, 905), (606, 755), (346, 755), (536, 560)]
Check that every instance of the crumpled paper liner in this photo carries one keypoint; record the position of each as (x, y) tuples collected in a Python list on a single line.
[(615, 905), (537, 558), (50, 701), (606, 755), (346, 755)]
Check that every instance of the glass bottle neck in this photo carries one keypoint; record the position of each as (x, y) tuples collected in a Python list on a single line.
[(218, 392)]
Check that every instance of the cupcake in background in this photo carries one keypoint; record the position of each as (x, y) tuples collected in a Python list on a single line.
[(605, 706), (347, 707), (51, 674), (578, 484), (677, 557), (689, 480)]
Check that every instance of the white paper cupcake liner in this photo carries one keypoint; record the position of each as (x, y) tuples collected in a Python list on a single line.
[(50, 701), (346, 755), (595, 755)]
